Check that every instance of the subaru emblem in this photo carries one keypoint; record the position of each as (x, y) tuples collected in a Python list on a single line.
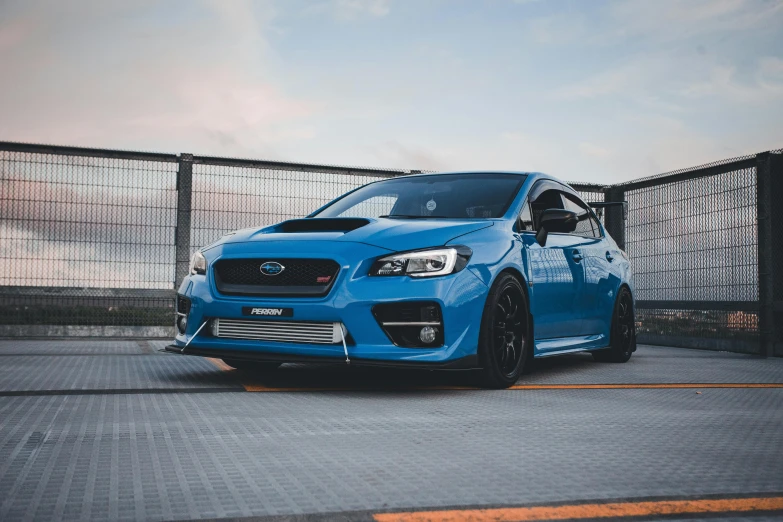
[(272, 268)]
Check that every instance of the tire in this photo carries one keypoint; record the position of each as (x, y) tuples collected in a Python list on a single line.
[(622, 339), (252, 366), (504, 340)]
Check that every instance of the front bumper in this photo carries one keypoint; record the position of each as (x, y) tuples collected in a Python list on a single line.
[(461, 297)]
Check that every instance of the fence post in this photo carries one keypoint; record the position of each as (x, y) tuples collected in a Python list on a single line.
[(765, 271), (615, 219), (184, 201), (769, 188), (776, 232)]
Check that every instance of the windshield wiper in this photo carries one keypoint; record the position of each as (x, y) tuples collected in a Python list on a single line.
[(408, 216)]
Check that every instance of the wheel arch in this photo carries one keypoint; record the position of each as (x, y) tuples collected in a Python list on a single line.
[(526, 289), (625, 285), (516, 273)]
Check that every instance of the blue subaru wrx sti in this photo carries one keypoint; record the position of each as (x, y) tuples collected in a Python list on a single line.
[(453, 271)]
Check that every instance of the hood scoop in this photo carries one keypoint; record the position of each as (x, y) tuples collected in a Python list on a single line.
[(321, 225)]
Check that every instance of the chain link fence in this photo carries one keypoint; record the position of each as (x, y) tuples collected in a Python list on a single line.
[(231, 196), (86, 238), (92, 241), (694, 246)]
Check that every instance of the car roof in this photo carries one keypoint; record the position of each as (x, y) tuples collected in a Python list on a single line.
[(476, 172), (533, 176)]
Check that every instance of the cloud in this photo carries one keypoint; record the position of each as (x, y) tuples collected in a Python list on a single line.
[(153, 77), (95, 222), (723, 82), (559, 29), (395, 153), (611, 81), (575, 88), (350, 9), (13, 33), (656, 81), (35, 261), (621, 22), (64, 228), (590, 149), (770, 72), (682, 19)]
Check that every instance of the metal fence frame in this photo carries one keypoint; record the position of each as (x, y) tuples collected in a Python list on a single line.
[(768, 167), (763, 306)]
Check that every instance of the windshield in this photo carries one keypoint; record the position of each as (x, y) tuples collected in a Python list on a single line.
[(439, 196)]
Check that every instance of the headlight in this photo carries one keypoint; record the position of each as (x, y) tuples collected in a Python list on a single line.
[(198, 264), (423, 263)]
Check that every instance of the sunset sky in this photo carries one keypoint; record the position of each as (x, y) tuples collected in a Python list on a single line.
[(598, 91)]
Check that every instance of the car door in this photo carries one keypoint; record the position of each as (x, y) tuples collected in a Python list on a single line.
[(556, 271), (596, 259)]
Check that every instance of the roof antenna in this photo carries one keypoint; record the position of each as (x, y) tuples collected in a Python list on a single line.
[(345, 346)]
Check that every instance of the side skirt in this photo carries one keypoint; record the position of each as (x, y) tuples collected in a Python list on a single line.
[(563, 345)]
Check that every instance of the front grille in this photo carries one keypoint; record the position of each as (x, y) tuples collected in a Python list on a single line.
[(299, 277), (277, 331)]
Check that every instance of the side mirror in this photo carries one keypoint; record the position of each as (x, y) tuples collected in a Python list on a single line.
[(555, 220)]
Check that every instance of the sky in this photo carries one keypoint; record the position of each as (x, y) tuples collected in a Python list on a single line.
[(590, 90)]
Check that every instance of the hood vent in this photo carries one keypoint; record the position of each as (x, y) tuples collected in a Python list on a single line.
[(321, 225)]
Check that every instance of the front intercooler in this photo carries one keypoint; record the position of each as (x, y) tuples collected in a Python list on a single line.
[(302, 332)]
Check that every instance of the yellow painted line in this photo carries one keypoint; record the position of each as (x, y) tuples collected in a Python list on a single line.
[(220, 364), (226, 368), (262, 388), (582, 511), (651, 386)]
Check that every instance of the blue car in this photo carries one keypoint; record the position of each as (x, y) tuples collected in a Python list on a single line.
[(468, 270)]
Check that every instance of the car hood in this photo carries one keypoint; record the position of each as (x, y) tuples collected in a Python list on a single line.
[(392, 234)]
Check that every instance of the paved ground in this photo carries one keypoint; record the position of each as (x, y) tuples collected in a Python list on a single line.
[(117, 430)]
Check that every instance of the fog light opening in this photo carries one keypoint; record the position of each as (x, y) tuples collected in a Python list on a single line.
[(182, 309), (428, 334), (182, 323)]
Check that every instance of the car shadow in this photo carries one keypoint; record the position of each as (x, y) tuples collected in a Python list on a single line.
[(347, 377), (560, 363), (323, 377)]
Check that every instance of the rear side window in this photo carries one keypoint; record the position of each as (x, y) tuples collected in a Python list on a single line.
[(588, 225)]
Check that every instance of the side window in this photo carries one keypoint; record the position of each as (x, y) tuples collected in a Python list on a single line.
[(525, 218), (596, 226), (543, 201), (587, 226)]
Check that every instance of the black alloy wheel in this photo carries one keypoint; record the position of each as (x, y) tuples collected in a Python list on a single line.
[(622, 342), (503, 341)]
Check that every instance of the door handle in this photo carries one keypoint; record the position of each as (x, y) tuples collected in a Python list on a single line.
[(609, 256), (577, 256)]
